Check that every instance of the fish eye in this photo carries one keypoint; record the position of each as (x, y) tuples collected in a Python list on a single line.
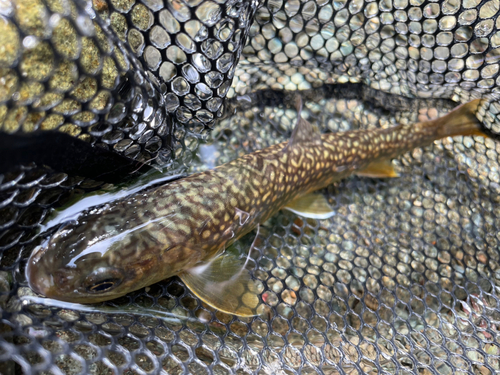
[(103, 280), (103, 286)]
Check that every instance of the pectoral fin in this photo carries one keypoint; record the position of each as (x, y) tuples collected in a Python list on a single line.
[(313, 206), (224, 284), (378, 169)]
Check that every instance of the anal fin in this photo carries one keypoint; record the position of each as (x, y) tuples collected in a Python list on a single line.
[(224, 284), (313, 206), (378, 169)]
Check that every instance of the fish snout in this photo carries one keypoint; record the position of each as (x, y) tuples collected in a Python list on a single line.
[(40, 281), (49, 284)]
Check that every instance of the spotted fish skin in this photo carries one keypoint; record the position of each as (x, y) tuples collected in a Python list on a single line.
[(167, 231)]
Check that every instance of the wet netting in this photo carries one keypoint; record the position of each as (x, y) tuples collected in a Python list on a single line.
[(403, 279)]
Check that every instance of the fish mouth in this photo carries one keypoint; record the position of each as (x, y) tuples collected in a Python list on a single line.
[(38, 253)]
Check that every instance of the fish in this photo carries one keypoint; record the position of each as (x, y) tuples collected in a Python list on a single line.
[(184, 228)]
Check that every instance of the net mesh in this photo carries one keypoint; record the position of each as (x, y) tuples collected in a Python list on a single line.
[(403, 279)]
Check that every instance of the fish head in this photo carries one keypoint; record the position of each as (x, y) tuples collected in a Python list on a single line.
[(94, 262)]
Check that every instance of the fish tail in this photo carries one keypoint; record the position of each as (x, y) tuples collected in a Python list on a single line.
[(461, 121)]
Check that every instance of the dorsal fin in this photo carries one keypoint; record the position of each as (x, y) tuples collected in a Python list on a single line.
[(304, 131)]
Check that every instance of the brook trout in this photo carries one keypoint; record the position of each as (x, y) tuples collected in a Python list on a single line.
[(184, 227)]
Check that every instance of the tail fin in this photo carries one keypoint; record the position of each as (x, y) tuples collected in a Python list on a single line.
[(461, 121)]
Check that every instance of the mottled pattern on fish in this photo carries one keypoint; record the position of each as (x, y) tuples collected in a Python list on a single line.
[(166, 231)]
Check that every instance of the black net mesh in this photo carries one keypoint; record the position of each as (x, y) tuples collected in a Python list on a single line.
[(403, 279)]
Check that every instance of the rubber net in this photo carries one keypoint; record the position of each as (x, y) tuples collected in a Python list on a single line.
[(402, 280)]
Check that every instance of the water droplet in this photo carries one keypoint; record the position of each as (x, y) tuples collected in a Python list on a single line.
[(190, 73), (203, 91), (214, 79), (117, 113), (136, 41), (214, 104), (171, 102), (179, 10), (169, 22), (167, 71), (176, 55), (431, 10), (209, 13), (159, 37), (212, 48), (204, 115), (192, 102), (225, 62), (180, 86), (185, 43), (467, 17), (309, 10), (225, 30), (484, 28), (152, 57), (183, 114), (196, 30), (201, 63), (489, 9)]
